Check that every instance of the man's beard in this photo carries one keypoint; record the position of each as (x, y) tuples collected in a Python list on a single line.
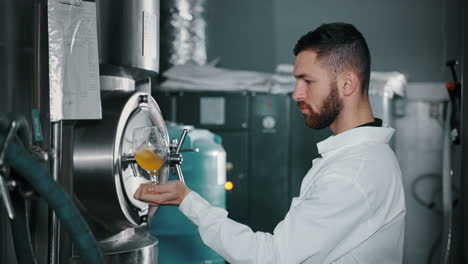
[(331, 107)]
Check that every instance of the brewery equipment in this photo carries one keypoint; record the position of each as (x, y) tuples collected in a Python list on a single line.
[(105, 179), (103, 171)]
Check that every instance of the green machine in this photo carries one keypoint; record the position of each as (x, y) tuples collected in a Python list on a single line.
[(204, 170)]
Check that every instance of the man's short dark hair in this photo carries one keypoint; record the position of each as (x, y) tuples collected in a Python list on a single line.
[(339, 47)]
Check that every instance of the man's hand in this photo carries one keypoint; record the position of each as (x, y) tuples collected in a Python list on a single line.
[(173, 193)]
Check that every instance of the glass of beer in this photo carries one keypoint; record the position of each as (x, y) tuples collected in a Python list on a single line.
[(150, 148)]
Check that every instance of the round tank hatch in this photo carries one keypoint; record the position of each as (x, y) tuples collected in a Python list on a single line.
[(132, 174), (104, 176)]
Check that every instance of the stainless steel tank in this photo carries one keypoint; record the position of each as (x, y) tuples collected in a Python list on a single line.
[(128, 34), (104, 178)]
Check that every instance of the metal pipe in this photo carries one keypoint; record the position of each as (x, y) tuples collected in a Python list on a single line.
[(181, 141), (37, 53), (56, 143), (179, 173)]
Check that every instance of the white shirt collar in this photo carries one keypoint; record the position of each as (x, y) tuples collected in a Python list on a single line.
[(355, 136)]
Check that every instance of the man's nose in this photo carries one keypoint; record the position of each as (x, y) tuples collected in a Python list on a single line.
[(298, 92)]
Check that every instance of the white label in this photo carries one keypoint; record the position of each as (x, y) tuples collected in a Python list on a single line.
[(269, 122), (150, 33), (212, 110), (73, 60)]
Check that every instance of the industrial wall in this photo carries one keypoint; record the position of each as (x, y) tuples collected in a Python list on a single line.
[(415, 37)]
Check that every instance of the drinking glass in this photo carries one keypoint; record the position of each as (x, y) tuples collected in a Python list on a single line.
[(150, 148)]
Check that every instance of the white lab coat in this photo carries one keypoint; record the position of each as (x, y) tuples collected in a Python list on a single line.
[(351, 209)]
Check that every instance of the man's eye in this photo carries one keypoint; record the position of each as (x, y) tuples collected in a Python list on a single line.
[(308, 82)]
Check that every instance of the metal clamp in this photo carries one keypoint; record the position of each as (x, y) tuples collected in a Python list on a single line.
[(4, 192), (40, 154), (175, 158)]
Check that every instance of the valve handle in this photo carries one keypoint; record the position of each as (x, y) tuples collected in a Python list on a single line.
[(175, 157), (181, 141)]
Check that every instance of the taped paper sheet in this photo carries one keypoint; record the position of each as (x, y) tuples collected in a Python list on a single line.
[(73, 60)]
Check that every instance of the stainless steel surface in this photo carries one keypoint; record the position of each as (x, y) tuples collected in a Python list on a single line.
[(128, 158), (144, 85), (190, 150), (114, 83), (101, 168), (105, 172), (56, 166), (129, 247), (124, 36)]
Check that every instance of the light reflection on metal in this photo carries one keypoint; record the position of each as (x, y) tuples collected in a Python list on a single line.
[(56, 165)]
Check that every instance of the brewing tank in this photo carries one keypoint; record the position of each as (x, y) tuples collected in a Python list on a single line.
[(128, 33), (105, 174), (104, 180), (102, 175)]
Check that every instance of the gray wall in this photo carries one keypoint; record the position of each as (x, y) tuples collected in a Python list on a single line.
[(240, 33), (415, 37)]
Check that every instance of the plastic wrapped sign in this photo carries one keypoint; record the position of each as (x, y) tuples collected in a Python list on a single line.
[(73, 60)]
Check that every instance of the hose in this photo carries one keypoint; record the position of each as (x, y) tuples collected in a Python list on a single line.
[(431, 205), (20, 160)]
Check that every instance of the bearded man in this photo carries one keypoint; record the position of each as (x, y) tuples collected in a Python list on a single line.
[(351, 207)]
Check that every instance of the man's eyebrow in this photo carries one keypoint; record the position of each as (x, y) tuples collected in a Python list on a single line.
[(302, 75)]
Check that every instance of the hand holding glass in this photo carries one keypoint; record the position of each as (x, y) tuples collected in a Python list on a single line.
[(150, 149)]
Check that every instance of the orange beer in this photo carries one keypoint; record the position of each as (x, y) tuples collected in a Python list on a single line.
[(148, 160)]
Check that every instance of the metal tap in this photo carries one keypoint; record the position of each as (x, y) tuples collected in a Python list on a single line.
[(175, 158), (129, 159)]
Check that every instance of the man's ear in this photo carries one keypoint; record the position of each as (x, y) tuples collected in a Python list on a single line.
[(351, 83)]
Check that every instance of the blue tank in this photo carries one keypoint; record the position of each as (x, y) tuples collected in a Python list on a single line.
[(204, 173)]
